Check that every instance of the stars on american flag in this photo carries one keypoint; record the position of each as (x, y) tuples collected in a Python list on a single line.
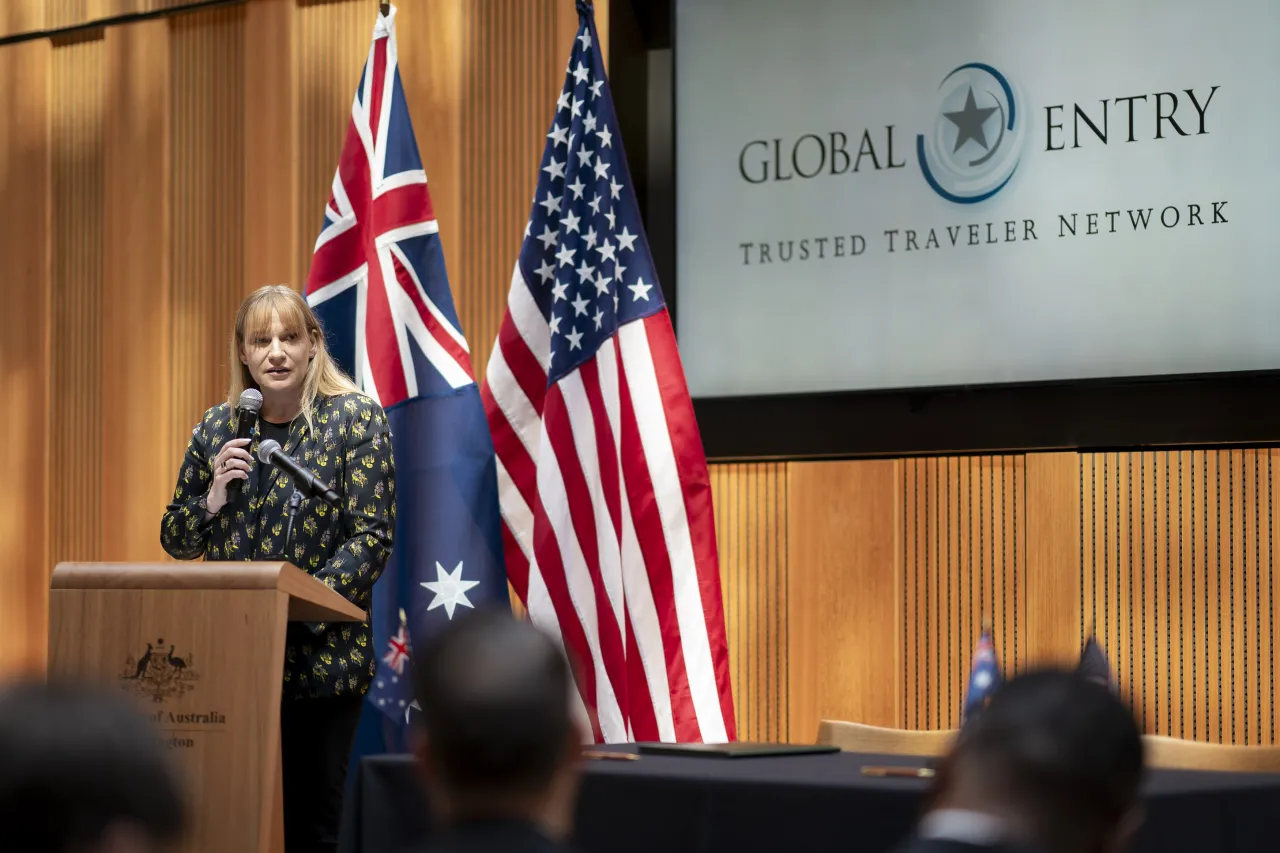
[(582, 237)]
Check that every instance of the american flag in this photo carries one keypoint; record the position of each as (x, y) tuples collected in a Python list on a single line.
[(379, 285), (605, 495)]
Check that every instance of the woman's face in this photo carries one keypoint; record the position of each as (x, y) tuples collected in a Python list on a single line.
[(278, 358)]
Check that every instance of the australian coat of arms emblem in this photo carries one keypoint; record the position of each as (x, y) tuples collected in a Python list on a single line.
[(159, 673)]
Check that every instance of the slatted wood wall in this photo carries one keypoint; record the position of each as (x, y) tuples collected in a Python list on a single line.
[(752, 536), (78, 172), (963, 545), (1178, 580), (888, 569)]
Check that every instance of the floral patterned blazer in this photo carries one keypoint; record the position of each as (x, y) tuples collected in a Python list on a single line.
[(350, 449)]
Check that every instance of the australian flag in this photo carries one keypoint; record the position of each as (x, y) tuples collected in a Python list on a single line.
[(378, 284), (984, 676)]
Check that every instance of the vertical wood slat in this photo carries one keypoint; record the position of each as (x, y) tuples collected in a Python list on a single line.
[(136, 319), (515, 69), (331, 45), (751, 536), (207, 249), (78, 176), (844, 591), (25, 345), (1058, 558), (269, 185), (23, 16)]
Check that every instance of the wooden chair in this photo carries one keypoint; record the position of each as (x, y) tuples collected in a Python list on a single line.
[(1164, 753), (1174, 754), (857, 737)]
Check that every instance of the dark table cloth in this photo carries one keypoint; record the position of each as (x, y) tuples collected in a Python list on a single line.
[(798, 803)]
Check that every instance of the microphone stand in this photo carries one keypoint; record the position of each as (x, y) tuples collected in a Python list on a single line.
[(295, 503)]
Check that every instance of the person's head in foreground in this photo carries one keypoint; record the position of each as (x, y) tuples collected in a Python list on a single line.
[(497, 741), (1052, 765), (81, 772)]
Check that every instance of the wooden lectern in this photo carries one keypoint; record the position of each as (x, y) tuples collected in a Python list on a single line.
[(201, 647)]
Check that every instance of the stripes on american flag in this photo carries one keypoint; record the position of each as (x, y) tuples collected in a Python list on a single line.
[(606, 501)]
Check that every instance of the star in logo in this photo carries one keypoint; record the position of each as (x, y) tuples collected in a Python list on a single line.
[(969, 122), (450, 589)]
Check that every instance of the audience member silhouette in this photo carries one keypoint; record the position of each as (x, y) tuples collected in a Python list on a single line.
[(497, 744), (1052, 765), (81, 772)]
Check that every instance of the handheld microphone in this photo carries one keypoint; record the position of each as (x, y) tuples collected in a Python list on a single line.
[(246, 419), (303, 480)]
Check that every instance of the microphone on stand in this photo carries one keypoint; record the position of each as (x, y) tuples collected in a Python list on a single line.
[(246, 419), (303, 480)]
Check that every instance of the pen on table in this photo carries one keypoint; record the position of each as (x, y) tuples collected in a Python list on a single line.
[(905, 772), (610, 756)]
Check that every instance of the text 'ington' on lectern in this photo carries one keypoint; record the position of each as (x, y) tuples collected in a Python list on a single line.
[(200, 646)]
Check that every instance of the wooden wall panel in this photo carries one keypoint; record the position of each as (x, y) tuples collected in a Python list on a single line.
[(515, 69), (433, 61), (752, 539), (24, 353), (22, 16), (844, 594), (330, 48), (1177, 581), (67, 13), (269, 211), (963, 543), (207, 248), (78, 183), (1054, 542), (135, 429)]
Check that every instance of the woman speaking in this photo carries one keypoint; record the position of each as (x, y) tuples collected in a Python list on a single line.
[(322, 420)]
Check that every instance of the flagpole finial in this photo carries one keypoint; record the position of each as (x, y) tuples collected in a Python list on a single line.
[(986, 623), (384, 9)]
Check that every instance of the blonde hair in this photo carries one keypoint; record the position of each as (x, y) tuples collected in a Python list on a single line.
[(324, 377)]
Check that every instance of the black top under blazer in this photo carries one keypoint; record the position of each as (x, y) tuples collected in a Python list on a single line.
[(350, 450)]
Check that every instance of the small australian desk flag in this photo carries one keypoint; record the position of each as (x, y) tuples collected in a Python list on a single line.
[(984, 675)]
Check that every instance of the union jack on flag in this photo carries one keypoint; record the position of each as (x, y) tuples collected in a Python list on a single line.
[(379, 286), (397, 649), (604, 485)]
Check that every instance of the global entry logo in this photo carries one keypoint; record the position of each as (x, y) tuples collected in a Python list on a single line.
[(975, 144), (971, 134)]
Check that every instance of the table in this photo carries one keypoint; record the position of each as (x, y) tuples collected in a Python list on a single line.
[(798, 803)]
